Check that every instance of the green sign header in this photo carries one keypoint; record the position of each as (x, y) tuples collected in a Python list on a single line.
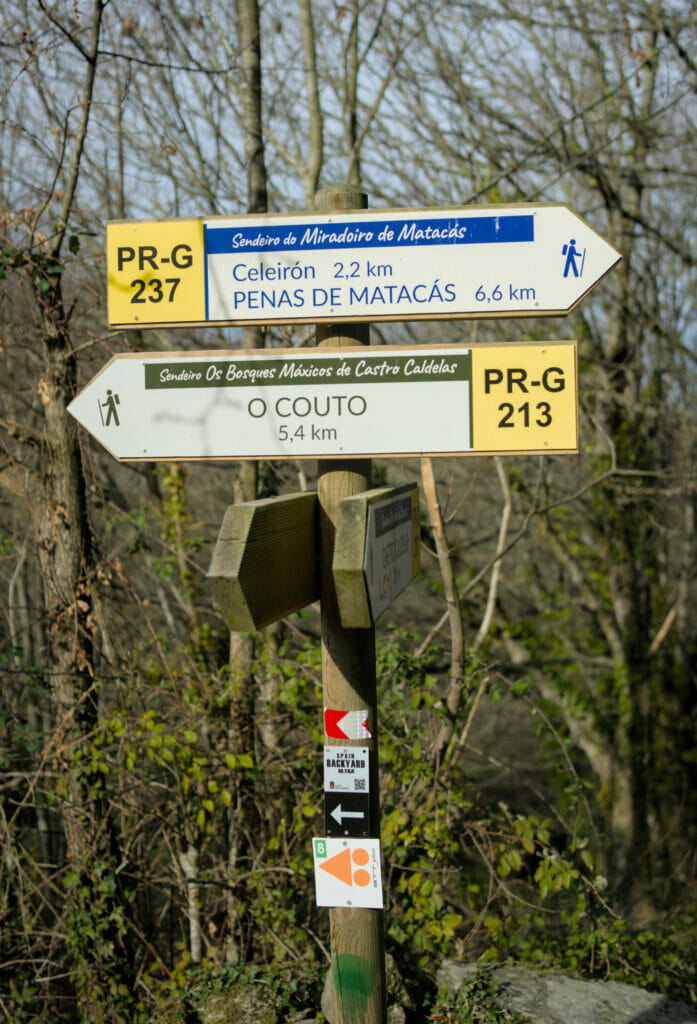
[(370, 368)]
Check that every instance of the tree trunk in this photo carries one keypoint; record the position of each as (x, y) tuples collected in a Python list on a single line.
[(97, 929), (245, 816)]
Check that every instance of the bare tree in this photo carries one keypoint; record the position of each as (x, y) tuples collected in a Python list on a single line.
[(593, 123), (53, 489)]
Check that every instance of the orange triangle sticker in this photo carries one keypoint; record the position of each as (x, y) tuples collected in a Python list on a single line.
[(339, 866)]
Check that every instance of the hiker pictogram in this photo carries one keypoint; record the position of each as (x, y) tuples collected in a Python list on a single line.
[(572, 255), (108, 406)]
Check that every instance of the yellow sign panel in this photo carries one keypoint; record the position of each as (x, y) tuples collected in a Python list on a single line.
[(156, 272), (524, 398)]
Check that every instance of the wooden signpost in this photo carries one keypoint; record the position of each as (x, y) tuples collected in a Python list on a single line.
[(338, 402), (349, 685), (342, 403)]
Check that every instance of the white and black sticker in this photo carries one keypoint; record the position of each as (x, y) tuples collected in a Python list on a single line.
[(346, 769)]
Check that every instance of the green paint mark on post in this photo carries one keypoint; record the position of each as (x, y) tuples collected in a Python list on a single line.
[(354, 980)]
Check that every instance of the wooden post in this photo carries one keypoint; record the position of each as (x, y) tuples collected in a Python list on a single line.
[(349, 684)]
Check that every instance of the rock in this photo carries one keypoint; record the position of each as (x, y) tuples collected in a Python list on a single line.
[(398, 998), (253, 1004), (453, 975), (557, 999)]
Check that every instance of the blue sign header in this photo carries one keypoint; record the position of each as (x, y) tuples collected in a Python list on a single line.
[(368, 234)]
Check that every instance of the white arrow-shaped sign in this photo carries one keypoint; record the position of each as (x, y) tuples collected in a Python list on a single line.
[(438, 263), (327, 403), (338, 814)]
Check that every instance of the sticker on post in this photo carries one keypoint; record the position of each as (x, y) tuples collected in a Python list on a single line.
[(392, 555), (347, 725), (347, 872), (347, 814), (346, 770)]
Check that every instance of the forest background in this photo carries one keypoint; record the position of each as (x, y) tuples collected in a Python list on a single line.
[(159, 783)]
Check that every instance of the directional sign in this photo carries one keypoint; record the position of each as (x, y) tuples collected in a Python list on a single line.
[(347, 814), (438, 263), (331, 403), (264, 563), (377, 551)]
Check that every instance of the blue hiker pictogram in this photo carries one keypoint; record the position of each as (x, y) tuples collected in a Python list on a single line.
[(108, 406), (572, 254)]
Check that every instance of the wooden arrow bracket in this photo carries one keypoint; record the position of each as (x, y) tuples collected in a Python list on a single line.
[(352, 590), (265, 563)]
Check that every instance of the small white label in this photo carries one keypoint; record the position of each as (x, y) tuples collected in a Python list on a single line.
[(346, 770), (389, 551)]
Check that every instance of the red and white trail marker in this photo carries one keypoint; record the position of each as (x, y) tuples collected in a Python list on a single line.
[(347, 725)]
